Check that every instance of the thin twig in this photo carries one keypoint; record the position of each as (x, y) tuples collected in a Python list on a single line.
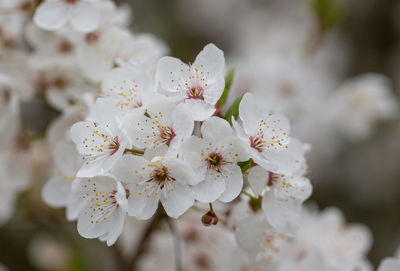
[(157, 218), (177, 244)]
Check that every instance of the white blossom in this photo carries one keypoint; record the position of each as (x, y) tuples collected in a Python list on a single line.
[(101, 141), (160, 123), (266, 137), (215, 157), (104, 218), (164, 179), (199, 85), (83, 15)]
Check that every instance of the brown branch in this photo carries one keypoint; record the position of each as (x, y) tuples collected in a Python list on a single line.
[(157, 218), (177, 244)]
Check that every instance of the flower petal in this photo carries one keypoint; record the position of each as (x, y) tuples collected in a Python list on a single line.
[(56, 191), (258, 179), (216, 129), (84, 16), (178, 200), (210, 189), (234, 183), (173, 74), (51, 15)]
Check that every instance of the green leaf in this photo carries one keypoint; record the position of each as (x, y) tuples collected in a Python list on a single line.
[(233, 111), (244, 166), (329, 13), (228, 83)]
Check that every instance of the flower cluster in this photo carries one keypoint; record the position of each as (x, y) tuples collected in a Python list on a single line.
[(156, 140), (129, 138)]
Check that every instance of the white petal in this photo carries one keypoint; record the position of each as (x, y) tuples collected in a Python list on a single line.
[(191, 152), (216, 129), (182, 121), (275, 129), (75, 207), (107, 114), (249, 232), (117, 227), (178, 200), (296, 188), (66, 157), (210, 189), (51, 15), (291, 159), (56, 191), (282, 214), (127, 86), (182, 171), (131, 169), (214, 89), (173, 74), (200, 109), (234, 183), (84, 16), (210, 61), (91, 169), (89, 229), (141, 203), (249, 114), (86, 186), (258, 179)]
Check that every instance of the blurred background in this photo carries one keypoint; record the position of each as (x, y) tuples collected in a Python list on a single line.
[(312, 59)]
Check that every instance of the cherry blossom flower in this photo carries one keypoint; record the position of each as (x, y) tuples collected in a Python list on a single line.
[(161, 123), (199, 85), (101, 141), (361, 102), (104, 218), (266, 137), (164, 179), (282, 197), (215, 157), (130, 86), (57, 192), (54, 14)]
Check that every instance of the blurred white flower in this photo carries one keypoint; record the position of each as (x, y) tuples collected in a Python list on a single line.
[(83, 15), (363, 101), (266, 137), (57, 191), (282, 197)]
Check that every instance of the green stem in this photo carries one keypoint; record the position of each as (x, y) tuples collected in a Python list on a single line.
[(134, 152), (247, 194), (211, 209)]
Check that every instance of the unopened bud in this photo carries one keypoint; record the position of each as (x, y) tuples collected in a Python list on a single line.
[(209, 219), (255, 203)]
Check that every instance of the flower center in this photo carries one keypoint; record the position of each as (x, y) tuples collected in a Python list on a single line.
[(257, 143), (114, 145), (60, 82), (215, 161), (92, 37), (66, 47), (161, 177), (272, 178), (195, 93), (167, 134)]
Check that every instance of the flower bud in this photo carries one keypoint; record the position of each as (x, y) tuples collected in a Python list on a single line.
[(255, 203), (209, 219)]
